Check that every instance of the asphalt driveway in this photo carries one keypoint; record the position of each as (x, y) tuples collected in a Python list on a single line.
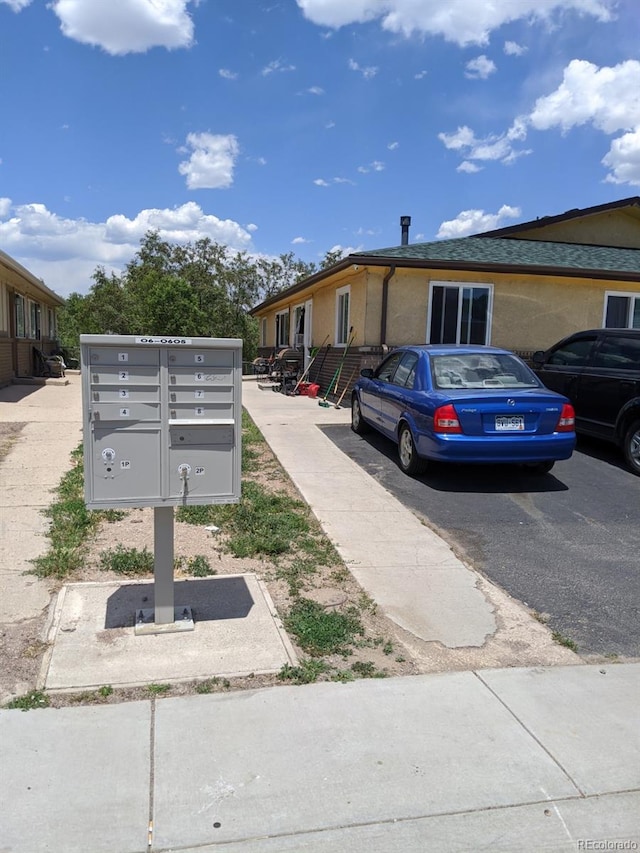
[(566, 544)]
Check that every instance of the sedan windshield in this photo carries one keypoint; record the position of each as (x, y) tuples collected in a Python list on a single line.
[(472, 370)]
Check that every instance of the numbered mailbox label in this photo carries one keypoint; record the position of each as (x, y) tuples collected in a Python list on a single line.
[(125, 413), (199, 411), (123, 394), (125, 464), (199, 394), (199, 471), (123, 375), (199, 377), (123, 356), (198, 358)]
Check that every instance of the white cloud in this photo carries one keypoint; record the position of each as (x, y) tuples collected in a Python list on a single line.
[(367, 72), (65, 252), (228, 75), (375, 166), (476, 221), (276, 65), (251, 227), (212, 161), (320, 182), (128, 26), (461, 21), (512, 48), (624, 160), (419, 75), (480, 68), (16, 5), (470, 168), (299, 240), (608, 97), (315, 90), (393, 145)]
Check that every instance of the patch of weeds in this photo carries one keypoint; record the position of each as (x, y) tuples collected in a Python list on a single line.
[(295, 573), (207, 686), (400, 659), (158, 689), (564, 641), (200, 567), (365, 602), (127, 561), (321, 549), (543, 618), (30, 701), (218, 514), (309, 670), (366, 669), (319, 631), (112, 515), (388, 648), (105, 690), (71, 524), (339, 576), (265, 523), (35, 649), (343, 675)]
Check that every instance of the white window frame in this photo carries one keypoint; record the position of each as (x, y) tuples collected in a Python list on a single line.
[(285, 338), (51, 323), (461, 286), (631, 296), (342, 325), (35, 320)]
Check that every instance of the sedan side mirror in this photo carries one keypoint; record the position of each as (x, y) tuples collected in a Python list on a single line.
[(367, 372), (538, 358)]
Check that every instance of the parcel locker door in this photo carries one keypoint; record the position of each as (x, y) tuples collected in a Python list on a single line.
[(201, 461), (125, 464)]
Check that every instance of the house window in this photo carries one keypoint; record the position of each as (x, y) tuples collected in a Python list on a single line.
[(51, 319), (282, 328), (34, 321), (21, 331), (263, 332), (342, 315), (459, 314), (622, 311)]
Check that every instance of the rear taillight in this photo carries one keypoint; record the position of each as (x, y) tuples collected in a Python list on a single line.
[(445, 419), (567, 420)]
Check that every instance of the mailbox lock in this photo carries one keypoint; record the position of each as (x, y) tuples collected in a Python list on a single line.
[(184, 469)]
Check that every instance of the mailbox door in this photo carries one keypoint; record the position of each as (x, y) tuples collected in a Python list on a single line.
[(125, 464)]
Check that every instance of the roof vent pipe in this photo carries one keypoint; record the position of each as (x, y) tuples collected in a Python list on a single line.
[(405, 222)]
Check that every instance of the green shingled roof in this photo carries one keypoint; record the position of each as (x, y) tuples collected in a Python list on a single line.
[(514, 252)]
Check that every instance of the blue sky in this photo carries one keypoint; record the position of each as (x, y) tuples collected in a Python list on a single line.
[(305, 126)]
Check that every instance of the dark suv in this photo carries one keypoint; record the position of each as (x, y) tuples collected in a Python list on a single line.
[(599, 371)]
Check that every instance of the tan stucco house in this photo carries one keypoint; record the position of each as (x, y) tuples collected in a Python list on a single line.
[(27, 320), (522, 288)]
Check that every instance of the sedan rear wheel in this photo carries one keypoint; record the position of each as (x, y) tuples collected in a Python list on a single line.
[(631, 447), (410, 462), (358, 425)]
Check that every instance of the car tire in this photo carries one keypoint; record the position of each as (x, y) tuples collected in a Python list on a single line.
[(631, 447), (541, 468), (358, 424), (410, 462)]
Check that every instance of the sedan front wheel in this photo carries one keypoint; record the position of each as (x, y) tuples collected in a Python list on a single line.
[(358, 425), (410, 462)]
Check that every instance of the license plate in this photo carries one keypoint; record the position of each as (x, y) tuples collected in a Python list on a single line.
[(513, 424)]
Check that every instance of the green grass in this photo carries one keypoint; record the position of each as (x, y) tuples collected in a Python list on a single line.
[(158, 689), (31, 700), (319, 631), (200, 567), (307, 672), (564, 641)]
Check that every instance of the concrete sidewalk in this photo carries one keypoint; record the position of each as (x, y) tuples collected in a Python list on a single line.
[(542, 758), (502, 760)]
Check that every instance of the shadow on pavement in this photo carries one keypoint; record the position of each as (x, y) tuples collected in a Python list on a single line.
[(213, 599)]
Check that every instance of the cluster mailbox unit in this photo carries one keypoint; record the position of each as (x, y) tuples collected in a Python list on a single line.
[(162, 427)]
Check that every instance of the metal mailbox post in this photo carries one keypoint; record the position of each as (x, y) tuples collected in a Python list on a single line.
[(162, 427)]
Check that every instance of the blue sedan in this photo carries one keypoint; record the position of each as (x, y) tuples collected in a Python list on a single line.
[(469, 404)]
